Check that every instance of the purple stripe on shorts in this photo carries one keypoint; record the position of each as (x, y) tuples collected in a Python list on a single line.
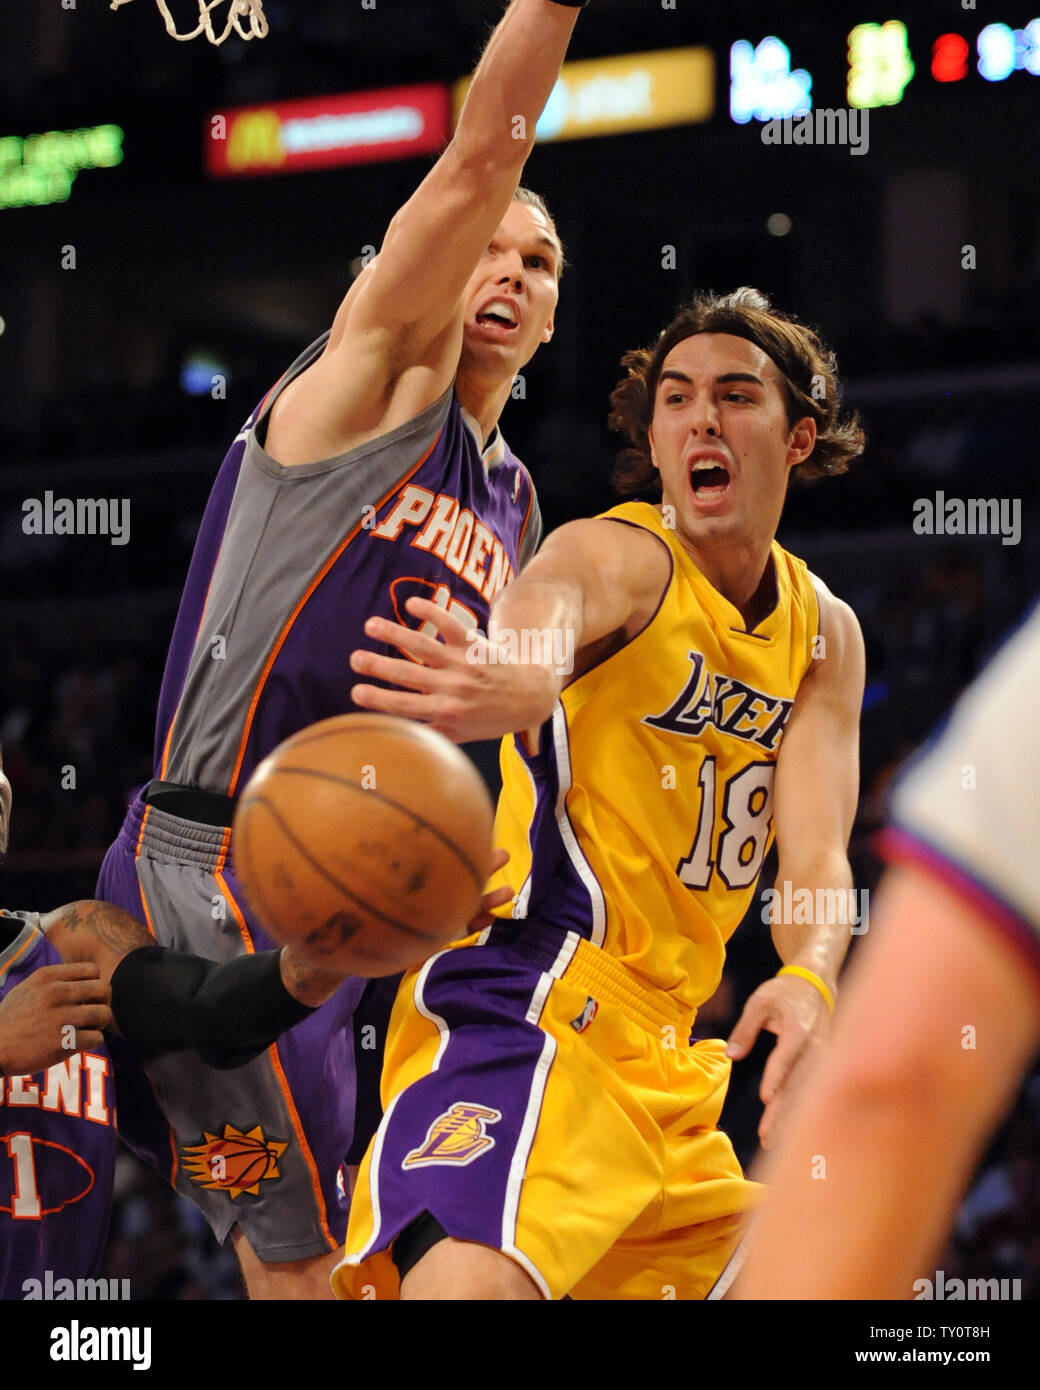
[(448, 1142)]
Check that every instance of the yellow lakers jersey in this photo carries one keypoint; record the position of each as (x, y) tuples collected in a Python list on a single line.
[(643, 817)]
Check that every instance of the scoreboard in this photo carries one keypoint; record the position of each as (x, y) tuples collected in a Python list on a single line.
[(807, 63), (882, 59)]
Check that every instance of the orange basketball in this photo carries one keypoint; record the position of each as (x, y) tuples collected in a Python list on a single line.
[(364, 842)]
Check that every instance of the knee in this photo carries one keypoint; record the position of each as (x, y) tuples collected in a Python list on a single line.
[(290, 1279)]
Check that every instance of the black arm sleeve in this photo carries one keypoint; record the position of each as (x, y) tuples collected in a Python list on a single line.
[(170, 1001)]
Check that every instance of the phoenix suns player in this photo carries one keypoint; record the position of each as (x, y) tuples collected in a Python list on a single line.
[(68, 979), (548, 1129), (76, 986), (374, 471)]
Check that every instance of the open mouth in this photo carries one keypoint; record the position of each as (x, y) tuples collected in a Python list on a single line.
[(709, 480), (498, 315)]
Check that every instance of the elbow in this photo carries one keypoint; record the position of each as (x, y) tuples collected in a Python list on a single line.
[(825, 867), (485, 156)]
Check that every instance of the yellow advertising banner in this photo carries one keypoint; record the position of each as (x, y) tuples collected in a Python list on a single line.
[(636, 91)]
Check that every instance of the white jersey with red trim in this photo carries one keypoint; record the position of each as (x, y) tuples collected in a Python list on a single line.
[(968, 808)]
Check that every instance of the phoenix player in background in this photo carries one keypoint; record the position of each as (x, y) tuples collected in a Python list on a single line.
[(42, 997), (58, 973), (54, 1213), (548, 1128), (373, 471), (76, 985), (67, 979), (941, 1018)]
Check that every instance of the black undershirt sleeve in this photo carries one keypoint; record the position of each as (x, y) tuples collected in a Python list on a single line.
[(170, 1001)]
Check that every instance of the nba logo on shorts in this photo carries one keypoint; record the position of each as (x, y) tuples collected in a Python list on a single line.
[(586, 1016), (456, 1137)]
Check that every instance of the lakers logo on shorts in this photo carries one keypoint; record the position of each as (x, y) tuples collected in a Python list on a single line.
[(456, 1137), (235, 1161)]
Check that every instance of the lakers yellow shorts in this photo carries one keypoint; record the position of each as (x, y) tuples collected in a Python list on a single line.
[(541, 1100)]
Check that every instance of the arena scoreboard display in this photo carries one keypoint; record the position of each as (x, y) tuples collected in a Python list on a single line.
[(767, 80), (754, 77), (869, 65)]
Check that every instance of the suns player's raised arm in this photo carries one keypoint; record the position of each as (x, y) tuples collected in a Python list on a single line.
[(396, 341), (405, 308), (898, 1081), (436, 239)]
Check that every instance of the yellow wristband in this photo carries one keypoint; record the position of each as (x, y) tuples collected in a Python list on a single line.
[(803, 974)]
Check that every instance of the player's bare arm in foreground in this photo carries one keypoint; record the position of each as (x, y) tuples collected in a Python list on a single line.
[(901, 1110), (940, 1019), (602, 582), (397, 338), (594, 580)]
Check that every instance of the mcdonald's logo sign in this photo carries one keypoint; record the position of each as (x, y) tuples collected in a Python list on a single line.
[(326, 132), (254, 141)]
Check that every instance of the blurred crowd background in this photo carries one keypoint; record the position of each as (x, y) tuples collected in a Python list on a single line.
[(172, 270)]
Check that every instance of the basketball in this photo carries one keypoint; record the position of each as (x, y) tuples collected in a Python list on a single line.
[(364, 842)]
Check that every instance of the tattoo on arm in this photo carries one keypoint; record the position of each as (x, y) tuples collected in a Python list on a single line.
[(104, 922)]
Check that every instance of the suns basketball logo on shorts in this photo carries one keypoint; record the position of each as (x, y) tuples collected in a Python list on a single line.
[(234, 1162), (456, 1137)]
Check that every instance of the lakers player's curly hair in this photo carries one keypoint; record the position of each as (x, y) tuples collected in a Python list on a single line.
[(808, 378)]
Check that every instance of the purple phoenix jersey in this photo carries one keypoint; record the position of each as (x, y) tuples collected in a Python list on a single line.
[(57, 1145), (290, 562), (288, 565)]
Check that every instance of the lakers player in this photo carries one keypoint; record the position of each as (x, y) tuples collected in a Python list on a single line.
[(941, 1018), (548, 1128), (373, 471)]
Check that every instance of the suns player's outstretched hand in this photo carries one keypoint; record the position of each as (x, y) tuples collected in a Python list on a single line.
[(463, 685), (793, 1010), (58, 1010)]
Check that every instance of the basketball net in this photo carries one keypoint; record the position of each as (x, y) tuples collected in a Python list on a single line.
[(246, 18)]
